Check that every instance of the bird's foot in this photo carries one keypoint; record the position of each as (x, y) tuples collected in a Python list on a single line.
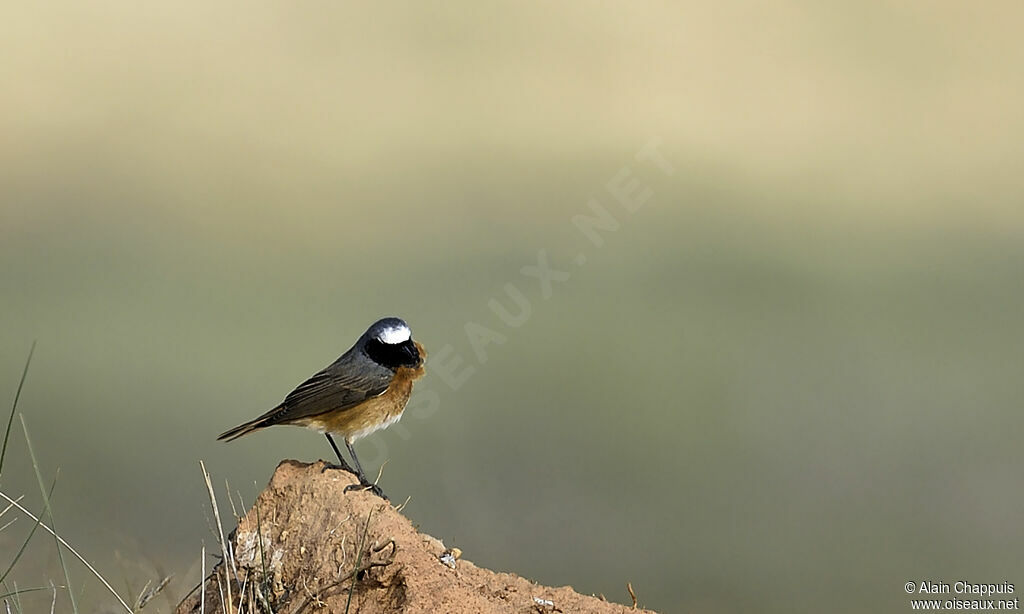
[(337, 466), (370, 487)]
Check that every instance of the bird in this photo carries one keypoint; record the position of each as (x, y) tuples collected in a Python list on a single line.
[(364, 390)]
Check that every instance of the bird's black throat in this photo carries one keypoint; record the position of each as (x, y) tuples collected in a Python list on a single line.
[(393, 355)]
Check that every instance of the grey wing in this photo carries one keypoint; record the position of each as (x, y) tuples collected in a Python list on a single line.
[(336, 388)]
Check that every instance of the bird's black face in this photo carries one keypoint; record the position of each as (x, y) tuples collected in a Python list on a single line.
[(393, 355), (388, 342)]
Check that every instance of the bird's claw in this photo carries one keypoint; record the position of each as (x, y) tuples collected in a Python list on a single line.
[(335, 466), (370, 487)]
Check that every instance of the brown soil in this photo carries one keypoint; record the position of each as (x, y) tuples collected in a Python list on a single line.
[(315, 535)]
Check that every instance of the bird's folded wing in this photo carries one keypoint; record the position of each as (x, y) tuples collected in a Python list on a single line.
[(334, 389)]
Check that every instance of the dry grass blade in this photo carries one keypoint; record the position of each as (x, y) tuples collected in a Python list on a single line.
[(8, 508), (228, 559), (359, 558), (64, 543), (401, 506), (147, 595), (202, 595), (227, 489), (353, 575), (17, 598)]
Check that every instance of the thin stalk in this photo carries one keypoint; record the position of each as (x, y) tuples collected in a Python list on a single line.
[(14, 406), (64, 543)]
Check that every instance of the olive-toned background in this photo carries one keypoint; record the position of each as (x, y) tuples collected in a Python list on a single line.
[(789, 382)]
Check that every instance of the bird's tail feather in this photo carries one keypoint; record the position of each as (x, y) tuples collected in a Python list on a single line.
[(248, 427)]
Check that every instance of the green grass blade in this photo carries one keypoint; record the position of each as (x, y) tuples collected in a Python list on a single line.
[(17, 598), (24, 590), (14, 406), (265, 583), (27, 539), (71, 549), (49, 513)]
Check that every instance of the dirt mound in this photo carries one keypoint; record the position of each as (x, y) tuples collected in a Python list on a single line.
[(316, 539)]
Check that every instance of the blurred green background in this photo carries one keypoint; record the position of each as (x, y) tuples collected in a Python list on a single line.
[(791, 381)]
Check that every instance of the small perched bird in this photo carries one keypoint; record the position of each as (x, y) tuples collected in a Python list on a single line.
[(366, 389)]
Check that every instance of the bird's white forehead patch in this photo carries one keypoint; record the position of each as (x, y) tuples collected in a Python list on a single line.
[(395, 334)]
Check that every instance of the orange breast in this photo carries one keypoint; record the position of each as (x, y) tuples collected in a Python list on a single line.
[(372, 414)]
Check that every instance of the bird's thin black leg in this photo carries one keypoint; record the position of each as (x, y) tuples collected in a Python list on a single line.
[(364, 483), (341, 459), (355, 459)]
